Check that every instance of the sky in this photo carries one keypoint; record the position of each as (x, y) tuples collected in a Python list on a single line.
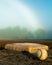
[(32, 14)]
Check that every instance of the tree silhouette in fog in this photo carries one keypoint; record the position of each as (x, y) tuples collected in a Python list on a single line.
[(17, 33)]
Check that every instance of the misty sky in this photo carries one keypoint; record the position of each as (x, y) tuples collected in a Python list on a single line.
[(32, 14)]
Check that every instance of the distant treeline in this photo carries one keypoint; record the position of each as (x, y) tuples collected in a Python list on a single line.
[(17, 33)]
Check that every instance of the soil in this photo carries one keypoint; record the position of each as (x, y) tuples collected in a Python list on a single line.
[(10, 57)]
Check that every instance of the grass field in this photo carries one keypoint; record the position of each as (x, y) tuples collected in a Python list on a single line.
[(9, 57), (46, 42)]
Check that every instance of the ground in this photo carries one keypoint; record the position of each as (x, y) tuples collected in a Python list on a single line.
[(10, 57)]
